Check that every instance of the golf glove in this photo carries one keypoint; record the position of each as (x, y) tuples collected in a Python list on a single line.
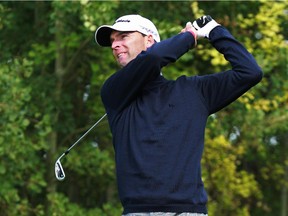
[(204, 26)]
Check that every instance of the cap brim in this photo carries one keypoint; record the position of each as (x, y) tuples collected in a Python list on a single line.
[(102, 35)]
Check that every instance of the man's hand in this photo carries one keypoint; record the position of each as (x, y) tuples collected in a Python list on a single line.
[(191, 29), (204, 26)]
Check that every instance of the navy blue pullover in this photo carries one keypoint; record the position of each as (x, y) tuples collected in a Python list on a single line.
[(158, 125)]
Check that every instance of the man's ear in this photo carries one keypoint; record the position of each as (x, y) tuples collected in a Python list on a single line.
[(150, 41)]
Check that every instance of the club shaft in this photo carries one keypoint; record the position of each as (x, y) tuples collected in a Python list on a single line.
[(68, 150)]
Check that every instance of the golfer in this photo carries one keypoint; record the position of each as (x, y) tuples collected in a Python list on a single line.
[(157, 124)]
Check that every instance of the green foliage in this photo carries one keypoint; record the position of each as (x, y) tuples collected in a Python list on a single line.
[(18, 178), (62, 206), (51, 73)]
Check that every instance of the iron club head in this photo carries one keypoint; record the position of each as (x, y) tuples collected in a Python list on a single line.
[(59, 172)]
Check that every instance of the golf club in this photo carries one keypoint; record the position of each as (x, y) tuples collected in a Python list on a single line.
[(59, 171)]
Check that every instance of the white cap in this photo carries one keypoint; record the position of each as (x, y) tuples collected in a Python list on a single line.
[(126, 23)]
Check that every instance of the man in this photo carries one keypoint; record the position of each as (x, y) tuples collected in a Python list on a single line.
[(158, 125)]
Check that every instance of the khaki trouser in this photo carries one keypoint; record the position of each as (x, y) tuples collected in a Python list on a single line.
[(165, 214)]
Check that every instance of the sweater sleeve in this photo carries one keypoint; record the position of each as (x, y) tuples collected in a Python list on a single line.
[(222, 88), (122, 87), (172, 48)]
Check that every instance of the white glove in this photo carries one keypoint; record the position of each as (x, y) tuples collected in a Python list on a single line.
[(204, 26)]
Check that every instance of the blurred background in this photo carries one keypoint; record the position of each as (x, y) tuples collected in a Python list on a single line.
[(51, 73)]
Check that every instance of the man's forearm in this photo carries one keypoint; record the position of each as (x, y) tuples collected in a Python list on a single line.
[(173, 48)]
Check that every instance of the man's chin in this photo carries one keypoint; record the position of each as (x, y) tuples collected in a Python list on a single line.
[(123, 63)]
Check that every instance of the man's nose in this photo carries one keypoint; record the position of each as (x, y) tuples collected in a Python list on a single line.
[(115, 44)]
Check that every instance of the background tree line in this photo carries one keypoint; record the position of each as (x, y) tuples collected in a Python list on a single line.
[(51, 72)]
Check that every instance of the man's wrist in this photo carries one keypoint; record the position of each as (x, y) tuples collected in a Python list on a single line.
[(194, 35)]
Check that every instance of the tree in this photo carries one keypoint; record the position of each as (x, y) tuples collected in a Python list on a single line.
[(58, 83), (254, 124), (51, 72)]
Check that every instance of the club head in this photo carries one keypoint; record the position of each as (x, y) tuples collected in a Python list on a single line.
[(59, 172)]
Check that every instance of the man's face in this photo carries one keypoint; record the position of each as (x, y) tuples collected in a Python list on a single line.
[(127, 45)]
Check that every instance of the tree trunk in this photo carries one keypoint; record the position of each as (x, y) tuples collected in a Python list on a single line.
[(59, 73), (284, 192)]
